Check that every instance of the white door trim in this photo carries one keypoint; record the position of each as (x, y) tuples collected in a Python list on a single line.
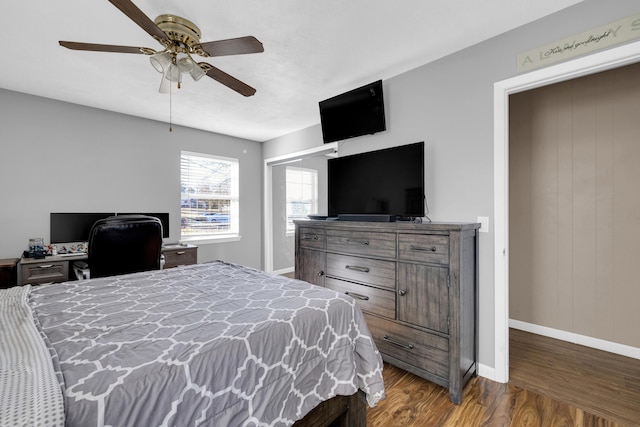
[(268, 193), (597, 62)]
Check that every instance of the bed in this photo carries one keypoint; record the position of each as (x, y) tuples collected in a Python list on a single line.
[(213, 344)]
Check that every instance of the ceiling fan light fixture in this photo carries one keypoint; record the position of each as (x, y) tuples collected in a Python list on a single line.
[(197, 73), (161, 61), (185, 63), (173, 74), (168, 86)]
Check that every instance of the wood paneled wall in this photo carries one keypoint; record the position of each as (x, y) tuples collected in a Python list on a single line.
[(574, 203)]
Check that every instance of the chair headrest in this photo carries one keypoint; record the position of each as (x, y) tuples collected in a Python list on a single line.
[(124, 244)]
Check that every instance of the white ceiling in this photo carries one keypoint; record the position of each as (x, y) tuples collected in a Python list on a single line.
[(313, 50)]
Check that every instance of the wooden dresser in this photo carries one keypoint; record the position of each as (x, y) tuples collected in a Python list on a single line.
[(415, 283)]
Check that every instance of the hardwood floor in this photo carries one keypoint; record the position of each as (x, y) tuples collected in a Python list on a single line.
[(604, 384), (553, 383)]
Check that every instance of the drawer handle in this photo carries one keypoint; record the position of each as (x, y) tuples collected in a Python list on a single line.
[(397, 343), (181, 252), (309, 237), (45, 266), (357, 296), (320, 273), (423, 249), (357, 268), (402, 292), (359, 242)]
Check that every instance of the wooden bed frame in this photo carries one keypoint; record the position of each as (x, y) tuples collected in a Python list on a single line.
[(340, 411)]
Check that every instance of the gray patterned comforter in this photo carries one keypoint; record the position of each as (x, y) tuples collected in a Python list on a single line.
[(210, 344)]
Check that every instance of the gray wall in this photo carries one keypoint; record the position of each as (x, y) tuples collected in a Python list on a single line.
[(60, 157), (449, 105)]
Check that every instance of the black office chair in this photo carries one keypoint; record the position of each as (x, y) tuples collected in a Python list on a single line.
[(122, 244)]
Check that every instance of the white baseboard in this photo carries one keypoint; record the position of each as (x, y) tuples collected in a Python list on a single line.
[(487, 372), (612, 347), (284, 271)]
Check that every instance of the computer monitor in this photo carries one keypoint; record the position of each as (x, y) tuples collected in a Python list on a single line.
[(67, 227)]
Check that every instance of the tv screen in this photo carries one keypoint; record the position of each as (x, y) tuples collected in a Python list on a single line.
[(354, 113), (73, 227), (389, 182), (162, 216)]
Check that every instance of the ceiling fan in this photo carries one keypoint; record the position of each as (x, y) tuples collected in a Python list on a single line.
[(180, 39)]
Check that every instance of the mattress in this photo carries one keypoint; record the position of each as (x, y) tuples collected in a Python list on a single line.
[(213, 344)]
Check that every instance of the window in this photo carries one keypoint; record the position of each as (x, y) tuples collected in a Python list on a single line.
[(302, 194), (209, 196)]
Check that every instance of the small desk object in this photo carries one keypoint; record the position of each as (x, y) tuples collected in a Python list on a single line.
[(56, 268)]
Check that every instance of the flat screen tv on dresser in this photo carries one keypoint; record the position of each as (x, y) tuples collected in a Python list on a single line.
[(388, 182)]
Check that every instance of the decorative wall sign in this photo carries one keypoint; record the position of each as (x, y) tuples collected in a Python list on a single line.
[(609, 35)]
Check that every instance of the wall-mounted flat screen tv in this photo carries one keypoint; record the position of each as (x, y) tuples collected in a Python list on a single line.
[(354, 113), (387, 182)]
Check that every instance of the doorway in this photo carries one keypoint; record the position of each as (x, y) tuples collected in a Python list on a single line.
[(278, 214), (574, 228), (594, 63)]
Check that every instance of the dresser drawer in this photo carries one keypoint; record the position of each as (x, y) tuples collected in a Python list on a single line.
[(366, 270), (418, 348), (362, 243), (311, 237), (370, 299), (179, 256), (44, 272), (430, 248)]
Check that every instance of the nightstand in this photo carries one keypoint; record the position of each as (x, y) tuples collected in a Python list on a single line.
[(177, 255), (8, 272)]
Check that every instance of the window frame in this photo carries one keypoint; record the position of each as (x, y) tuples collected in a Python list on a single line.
[(290, 227), (233, 233)]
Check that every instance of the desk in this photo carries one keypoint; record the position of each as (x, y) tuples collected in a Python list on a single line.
[(54, 269)]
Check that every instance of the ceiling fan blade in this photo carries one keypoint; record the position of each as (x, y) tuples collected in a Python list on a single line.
[(227, 80), (105, 47), (237, 46), (138, 16)]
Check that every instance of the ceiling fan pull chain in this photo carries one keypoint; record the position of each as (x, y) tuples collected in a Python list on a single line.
[(170, 110)]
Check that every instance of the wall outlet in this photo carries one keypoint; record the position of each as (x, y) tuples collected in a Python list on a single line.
[(484, 224)]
